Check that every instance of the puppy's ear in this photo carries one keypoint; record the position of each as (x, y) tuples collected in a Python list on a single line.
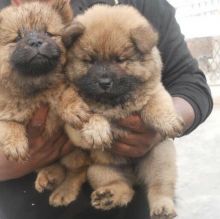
[(63, 7), (71, 33), (144, 38)]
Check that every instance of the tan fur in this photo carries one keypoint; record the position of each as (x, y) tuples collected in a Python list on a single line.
[(50, 177), (16, 107), (65, 178), (68, 191), (121, 31), (111, 187)]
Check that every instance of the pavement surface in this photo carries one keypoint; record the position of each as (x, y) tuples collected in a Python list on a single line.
[(198, 159)]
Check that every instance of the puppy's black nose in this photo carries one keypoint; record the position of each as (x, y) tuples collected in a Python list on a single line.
[(35, 42), (105, 83), (35, 39)]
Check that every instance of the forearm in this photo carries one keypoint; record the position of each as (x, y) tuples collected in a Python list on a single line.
[(185, 110)]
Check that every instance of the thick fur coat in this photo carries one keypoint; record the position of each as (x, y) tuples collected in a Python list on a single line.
[(33, 40), (116, 67)]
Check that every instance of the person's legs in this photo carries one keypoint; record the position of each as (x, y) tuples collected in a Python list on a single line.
[(19, 200)]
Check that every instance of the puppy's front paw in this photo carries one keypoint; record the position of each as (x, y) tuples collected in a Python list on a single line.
[(16, 150), (77, 114), (49, 178), (171, 127), (163, 208), (167, 125), (177, 127), (97, 134)]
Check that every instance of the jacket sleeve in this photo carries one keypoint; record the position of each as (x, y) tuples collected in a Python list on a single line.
[(181, 75)]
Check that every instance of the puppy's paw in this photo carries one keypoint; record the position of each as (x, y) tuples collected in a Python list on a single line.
[(168, 126), (163, 208), (173, 127), (77, 114), (16, 150), (108, 197), (97, 135), (62, 196), (49, 178)]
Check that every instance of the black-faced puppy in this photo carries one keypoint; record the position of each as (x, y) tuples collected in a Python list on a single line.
[(116, 67), (32, 58)]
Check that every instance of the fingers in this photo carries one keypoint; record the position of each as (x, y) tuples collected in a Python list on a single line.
[(137, 140), (133, 123), (136, 145), (37, 123), (16, 2), (128, 150)]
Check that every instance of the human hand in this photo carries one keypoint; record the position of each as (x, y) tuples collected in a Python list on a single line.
[(42, 151), (139, 141)]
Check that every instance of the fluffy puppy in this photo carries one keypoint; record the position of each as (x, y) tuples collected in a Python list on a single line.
[(33, 37), (116, 67)]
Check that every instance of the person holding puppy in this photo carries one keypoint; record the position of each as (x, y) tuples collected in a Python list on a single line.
[(181, 77)]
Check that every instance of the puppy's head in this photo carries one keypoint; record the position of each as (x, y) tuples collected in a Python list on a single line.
[(115, 55), (32, 51)]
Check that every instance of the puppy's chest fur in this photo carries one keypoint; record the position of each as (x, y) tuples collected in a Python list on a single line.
[(20, 108), (135, 104)]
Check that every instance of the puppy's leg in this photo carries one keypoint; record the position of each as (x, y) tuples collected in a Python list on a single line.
[(158, 171), (76, 159), (76, 164), (97, 133), (68, 191), (50, 177), (160, 114), (111, 188), (13, 141), (71, 108)]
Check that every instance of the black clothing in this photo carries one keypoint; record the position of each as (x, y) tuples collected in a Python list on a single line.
[(181, 77), (19, 200)]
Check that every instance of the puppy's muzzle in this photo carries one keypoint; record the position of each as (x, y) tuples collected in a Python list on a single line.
[(35, 55), (105, 83)]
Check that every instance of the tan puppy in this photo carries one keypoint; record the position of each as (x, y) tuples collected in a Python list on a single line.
[(32, 57), (116, 67)]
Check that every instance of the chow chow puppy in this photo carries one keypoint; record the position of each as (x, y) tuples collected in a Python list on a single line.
[(116, 67), (33, 37)]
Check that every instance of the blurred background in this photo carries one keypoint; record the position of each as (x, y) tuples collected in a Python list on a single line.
[(198, 188)]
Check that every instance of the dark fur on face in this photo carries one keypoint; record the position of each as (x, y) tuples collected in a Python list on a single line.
[(35, 54), (114, 59), (33, 45), (107, 84)]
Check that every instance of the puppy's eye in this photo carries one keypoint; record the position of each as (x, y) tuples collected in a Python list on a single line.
[(18, 38), (49, 34), (120, 59), (90, 60)]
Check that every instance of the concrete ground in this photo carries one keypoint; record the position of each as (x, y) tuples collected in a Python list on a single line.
[(198, 158)]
